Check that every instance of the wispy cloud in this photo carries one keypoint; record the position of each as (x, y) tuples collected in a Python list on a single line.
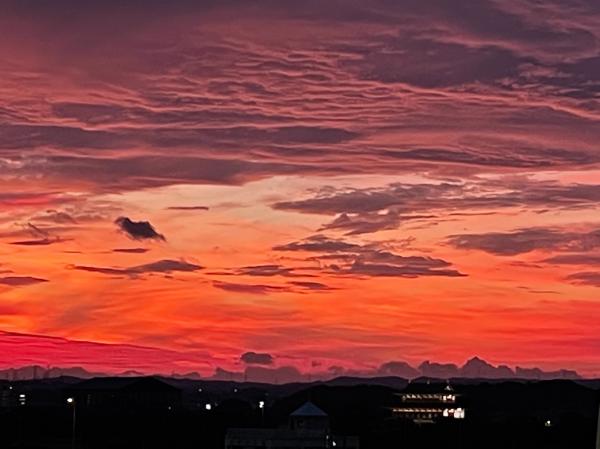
[(21, 281), (370, 260), (188, 208), (162, 266), (526, 240)]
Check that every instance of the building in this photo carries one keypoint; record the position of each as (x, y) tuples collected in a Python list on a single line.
[(140, 393), (308, 428), (428, 403)]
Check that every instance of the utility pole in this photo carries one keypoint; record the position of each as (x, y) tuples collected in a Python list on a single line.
[(72, 402), (598, 430)]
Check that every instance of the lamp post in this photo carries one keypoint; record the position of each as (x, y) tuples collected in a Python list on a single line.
[(261, 406), (71, 402), (598, 430)]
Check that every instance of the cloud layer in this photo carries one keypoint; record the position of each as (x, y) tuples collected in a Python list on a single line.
[(391, 180), (500, 86)]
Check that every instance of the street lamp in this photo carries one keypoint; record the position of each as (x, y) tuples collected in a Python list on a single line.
[(261, 406), (71, 402)]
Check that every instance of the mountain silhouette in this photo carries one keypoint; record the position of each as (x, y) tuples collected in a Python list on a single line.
[(474, 368)]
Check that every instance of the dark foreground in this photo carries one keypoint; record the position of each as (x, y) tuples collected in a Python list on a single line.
[(503, 415)]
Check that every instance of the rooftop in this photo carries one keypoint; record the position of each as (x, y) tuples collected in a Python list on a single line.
[(308, 409)]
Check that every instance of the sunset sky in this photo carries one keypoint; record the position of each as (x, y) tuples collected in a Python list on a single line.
[(336, 184)]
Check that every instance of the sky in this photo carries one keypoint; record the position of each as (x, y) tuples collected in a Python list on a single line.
[(327, 186)]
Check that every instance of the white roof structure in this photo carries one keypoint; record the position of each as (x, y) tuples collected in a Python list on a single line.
[(308, 409)]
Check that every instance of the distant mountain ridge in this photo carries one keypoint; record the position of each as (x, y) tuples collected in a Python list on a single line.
[(474, 368)]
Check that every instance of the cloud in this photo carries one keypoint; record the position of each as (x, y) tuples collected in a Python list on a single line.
[(81, 211), (162, 266), (257, 358), (138, 230), (406, 271), (39, 242), (20, 349), (396, 87), (591, 278), (527, 240), (261, 374), (187, 208), (102, 270), (166, 266), (21, 281), (265, 289), (477, 368), (369, 210), (574, 259), (439, 370), (265, 270), (19, 199), (252, 289), (370, 222), (270, 270), (54, 216), (400, 369), (312, 286), (370, 260), (131, 250), (318, 243), (42, 237)]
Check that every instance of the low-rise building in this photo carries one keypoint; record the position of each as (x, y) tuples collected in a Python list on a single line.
[(428, 403), (308, 428)]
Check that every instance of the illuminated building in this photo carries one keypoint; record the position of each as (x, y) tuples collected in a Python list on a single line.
[(427, 403)]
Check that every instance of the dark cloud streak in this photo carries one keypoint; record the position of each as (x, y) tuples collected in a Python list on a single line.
[(138, 230), (527, 240)]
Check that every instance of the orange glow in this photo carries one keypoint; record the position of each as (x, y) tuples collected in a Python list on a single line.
[(335, 190)]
